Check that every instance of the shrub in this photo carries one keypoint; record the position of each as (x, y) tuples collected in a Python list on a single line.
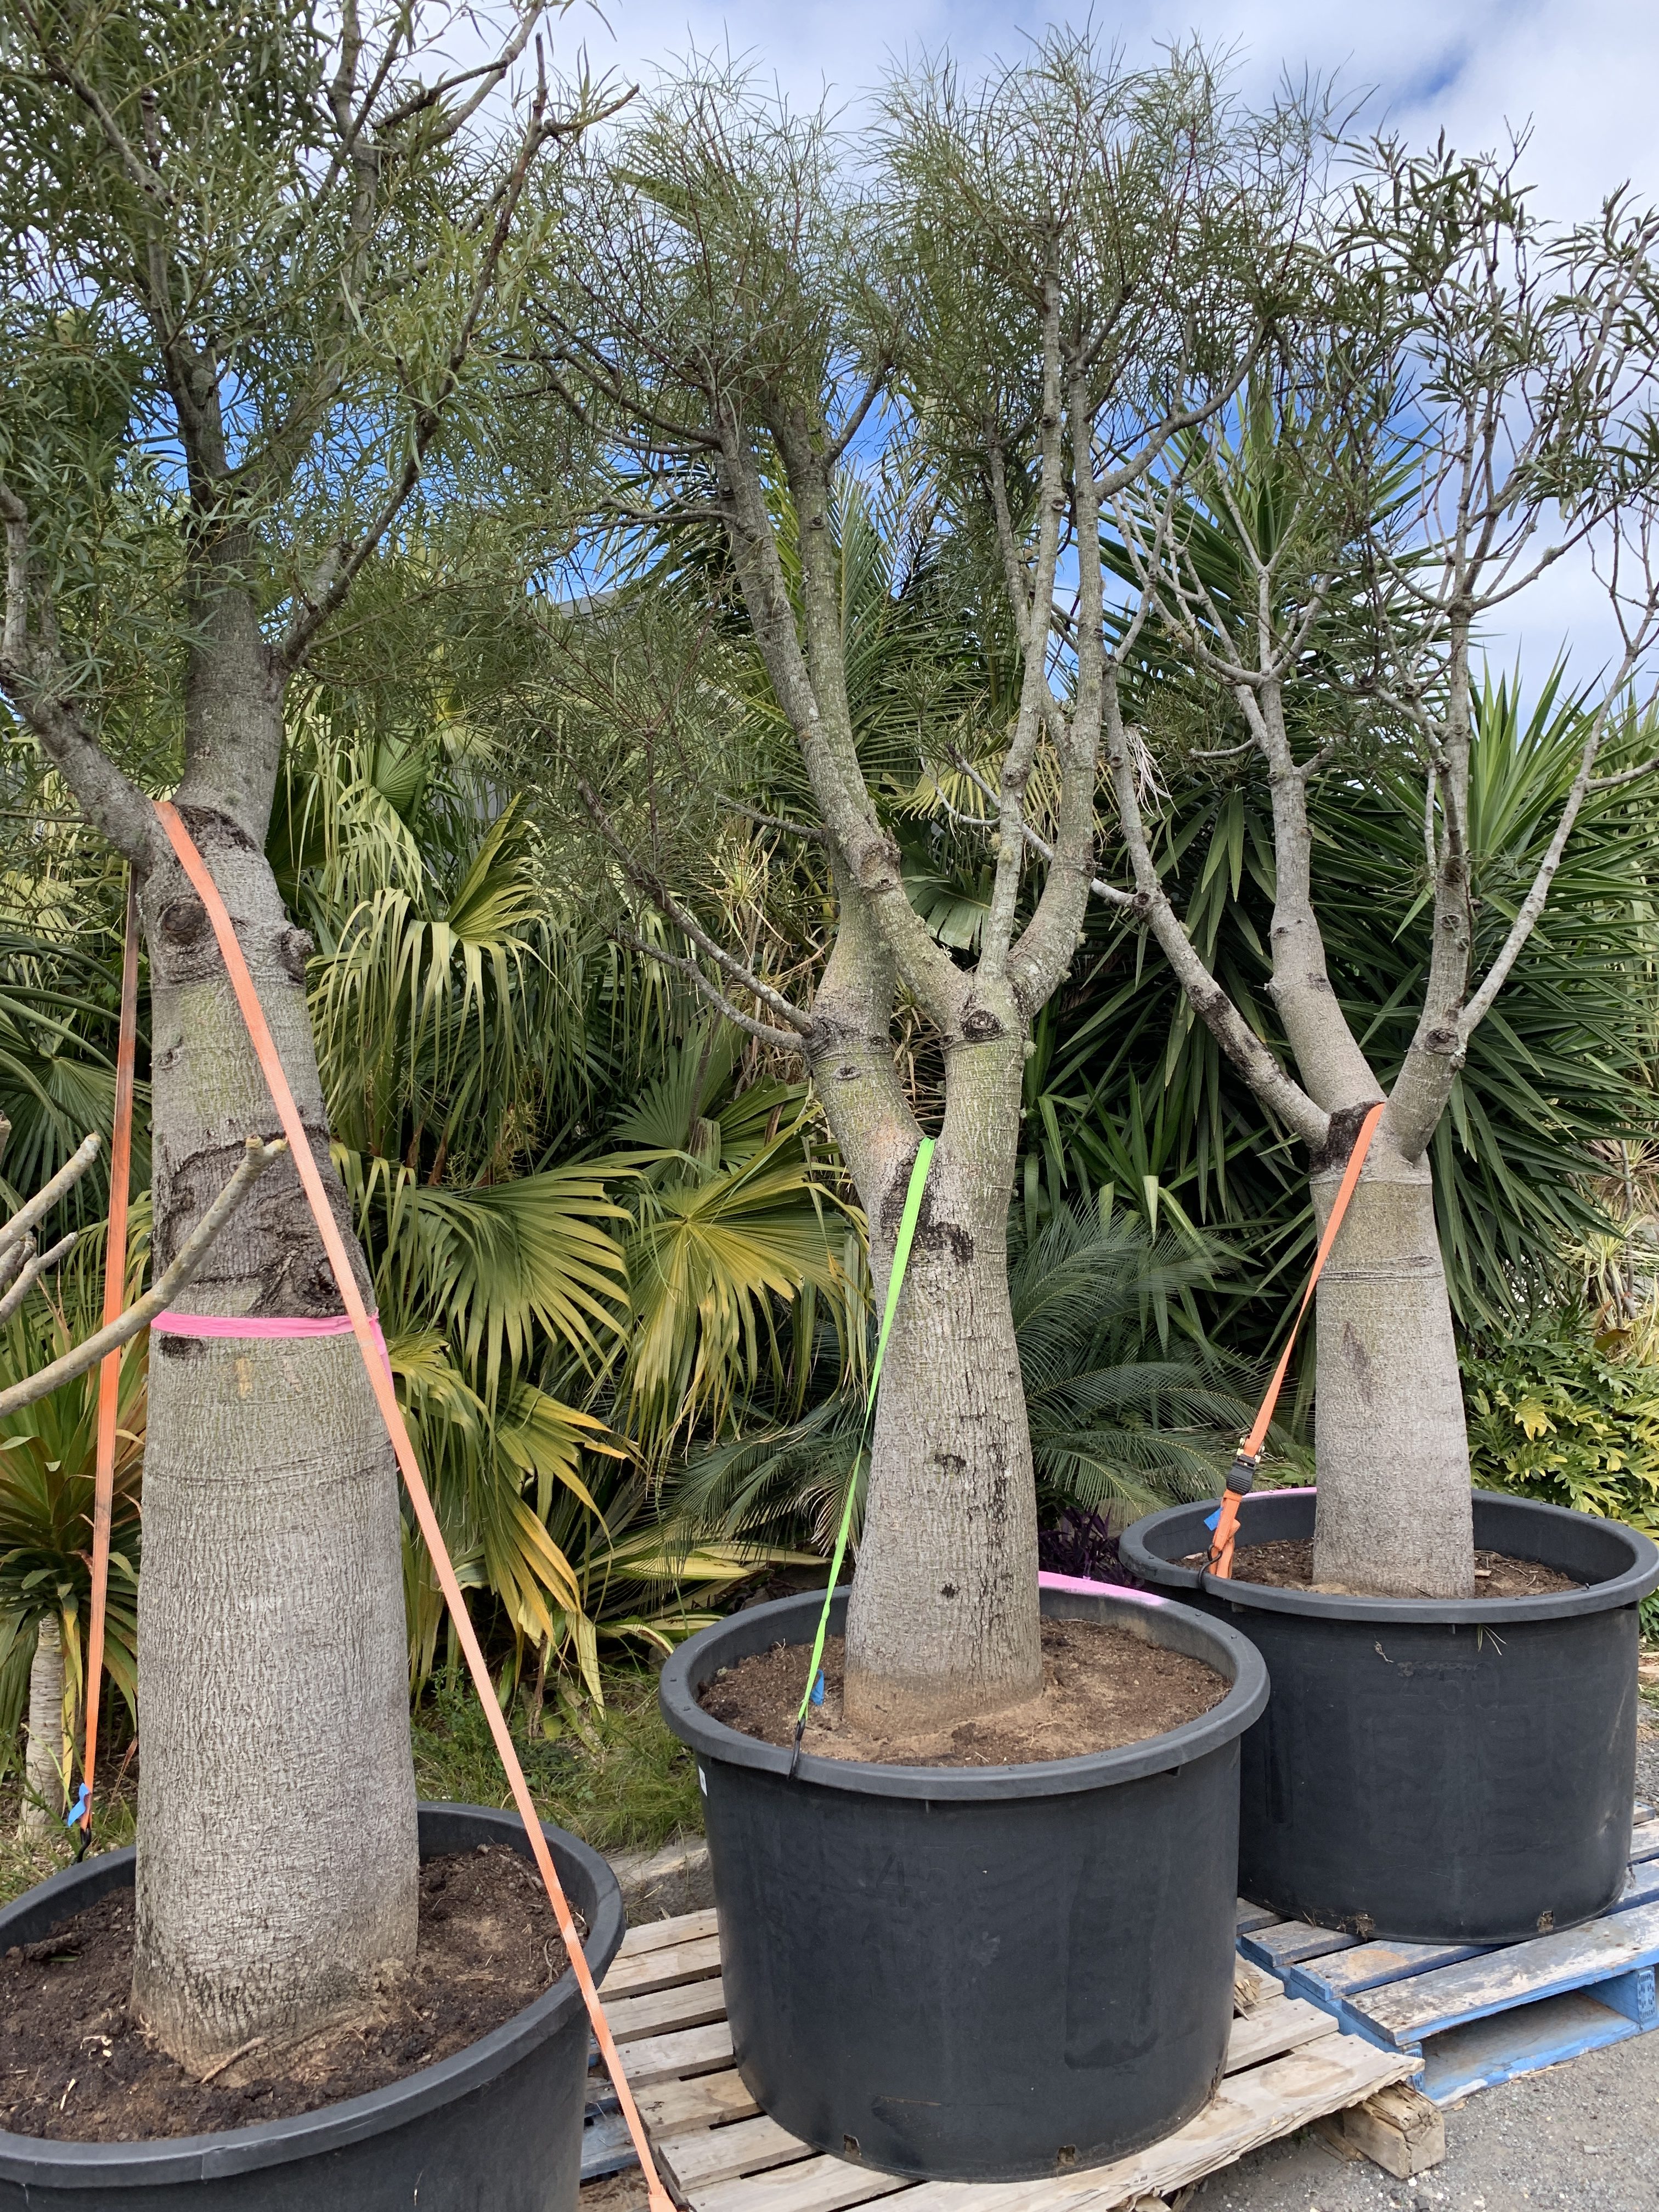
[(1551, 1417)]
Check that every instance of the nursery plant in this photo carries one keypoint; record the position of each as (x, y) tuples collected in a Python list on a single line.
[(256, 261), (1033, 287), (1470, 399)]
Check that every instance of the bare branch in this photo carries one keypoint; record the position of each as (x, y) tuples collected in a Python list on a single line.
[(139, 1316), (47, 1196), (781, 1040), (35, 1264), (646, 880)]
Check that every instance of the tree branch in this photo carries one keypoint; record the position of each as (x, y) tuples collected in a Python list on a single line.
[(781, 1040), (139, 1316)]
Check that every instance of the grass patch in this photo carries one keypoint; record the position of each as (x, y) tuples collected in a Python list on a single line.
[(23, 1863), (617, 1779)]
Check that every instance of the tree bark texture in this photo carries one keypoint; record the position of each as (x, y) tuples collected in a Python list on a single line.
[(44, 1767), (943, 1622), (276, 1839), (1395, 1517)]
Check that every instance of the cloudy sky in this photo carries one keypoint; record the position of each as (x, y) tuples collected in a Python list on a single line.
[(1584, 74)]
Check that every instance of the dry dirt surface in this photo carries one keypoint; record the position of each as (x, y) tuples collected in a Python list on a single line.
[(1102, 1688), (75, 2065), (1289, 1566)]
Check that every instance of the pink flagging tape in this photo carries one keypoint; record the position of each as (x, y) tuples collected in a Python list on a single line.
[(185, 1324), (172, 1323)]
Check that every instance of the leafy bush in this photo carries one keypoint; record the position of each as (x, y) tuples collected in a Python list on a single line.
[(1554, 1417)]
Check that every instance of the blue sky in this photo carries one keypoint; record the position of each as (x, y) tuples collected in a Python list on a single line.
[(1583, 73)]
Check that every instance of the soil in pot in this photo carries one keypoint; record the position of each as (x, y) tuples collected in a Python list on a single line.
[(1287, 1564), (76, 2067), (1102, 1688)]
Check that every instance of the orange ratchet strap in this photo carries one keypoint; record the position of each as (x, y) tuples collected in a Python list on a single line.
[(109, 1372), (380, 1379), (1249, 1451)]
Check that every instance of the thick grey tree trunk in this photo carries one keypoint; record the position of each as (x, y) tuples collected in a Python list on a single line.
[(277, 1838), (1391, 1441), (43, 1762), (943, 1622)]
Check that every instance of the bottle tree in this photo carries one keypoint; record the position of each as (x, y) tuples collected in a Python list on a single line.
[(257, 259)]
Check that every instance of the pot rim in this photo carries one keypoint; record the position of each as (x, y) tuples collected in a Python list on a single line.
[(42, 2162), (1636, 1580), (1220, 1646)]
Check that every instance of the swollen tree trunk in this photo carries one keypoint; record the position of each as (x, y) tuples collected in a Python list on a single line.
[(276, 1836), (43, 1767), (1395, 1517), (943, 1622)]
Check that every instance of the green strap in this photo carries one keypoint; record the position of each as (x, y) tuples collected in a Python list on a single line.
[(907, 1230)]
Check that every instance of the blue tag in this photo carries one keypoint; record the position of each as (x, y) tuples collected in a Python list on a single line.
[(77, 1808), (1214, 1517), (817, 1689)]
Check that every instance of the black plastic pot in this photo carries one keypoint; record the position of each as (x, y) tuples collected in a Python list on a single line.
[(1433, 1771), (976, 1973), (497, 2128)]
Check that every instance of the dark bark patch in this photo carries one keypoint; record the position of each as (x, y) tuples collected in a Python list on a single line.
[(1340, 1137), (1358, 1359), (947, 1589), (270, 1249), (980, 1026), (951, 1463), (295, 947), (206, 825), (184, 923)]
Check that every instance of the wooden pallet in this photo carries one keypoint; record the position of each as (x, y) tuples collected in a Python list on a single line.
[(1288, 2063), (1477, 2015)]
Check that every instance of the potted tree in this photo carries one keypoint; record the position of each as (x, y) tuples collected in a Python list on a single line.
[(255, 262), (1011, 300), (1467, 406)]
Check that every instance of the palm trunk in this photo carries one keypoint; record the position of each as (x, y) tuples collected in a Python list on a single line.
[(1392, 1447), (276, 1856), (44, 1769)]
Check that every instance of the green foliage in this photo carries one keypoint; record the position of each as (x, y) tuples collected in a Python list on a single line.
[(48, 1455), (1553, 1417), (613, 1776), (1129, 1403), (1128, 1089)]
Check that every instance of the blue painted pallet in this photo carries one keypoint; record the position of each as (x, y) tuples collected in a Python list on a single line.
[(1478, 2016)]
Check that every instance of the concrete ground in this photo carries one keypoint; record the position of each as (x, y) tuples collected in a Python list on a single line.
[(1583, 2135)]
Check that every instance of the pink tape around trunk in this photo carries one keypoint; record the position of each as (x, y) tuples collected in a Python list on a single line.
[(263, 1325)]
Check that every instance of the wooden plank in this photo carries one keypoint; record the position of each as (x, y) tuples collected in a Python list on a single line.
[(663, 1935), (1398, 2129), (1507, 2045), (1645, 1840), (1253, 1985), (1288, 1942), (666, 2058), (1519, 1973), (1255, 1915), (1368, 1965), (699, 2159), (607, 2147), (687, 2005), (1285, 2025), (671, 2108), (817, 2184), (1255, 2107), (661, 1970)]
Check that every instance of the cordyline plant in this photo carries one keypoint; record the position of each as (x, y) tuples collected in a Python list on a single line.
[(254, 258), (1473, 398), (1048, 278)]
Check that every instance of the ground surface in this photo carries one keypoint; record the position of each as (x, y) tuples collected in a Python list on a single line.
[(1584, 2136)]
